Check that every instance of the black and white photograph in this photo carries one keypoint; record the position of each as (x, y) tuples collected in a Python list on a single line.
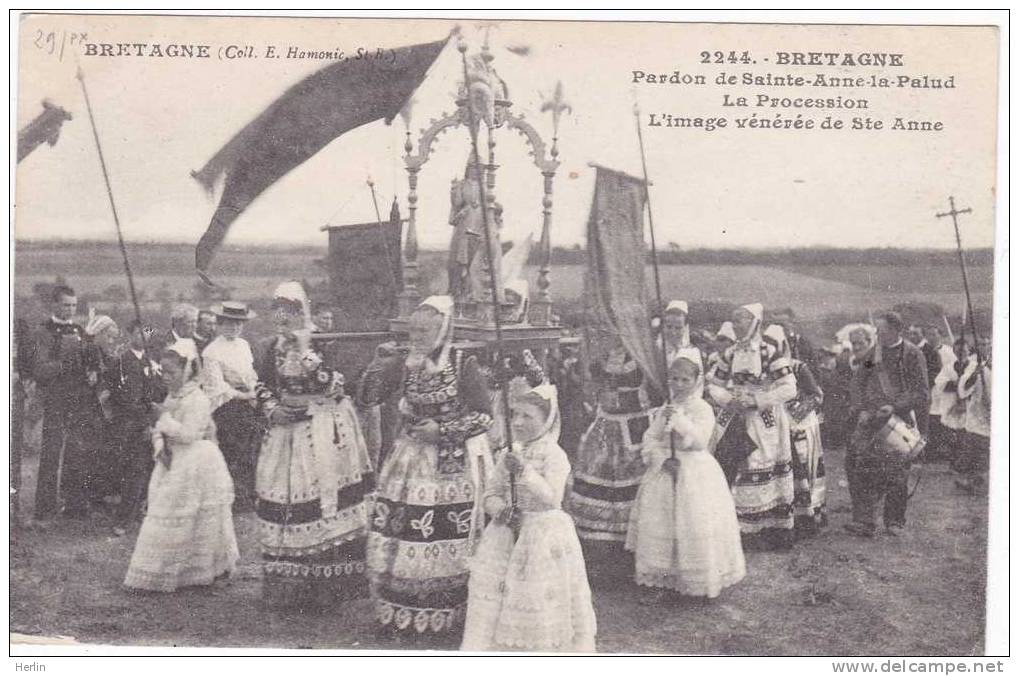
[(502, 335)]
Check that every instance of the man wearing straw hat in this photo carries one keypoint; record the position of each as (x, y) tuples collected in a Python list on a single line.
[(230, 379)]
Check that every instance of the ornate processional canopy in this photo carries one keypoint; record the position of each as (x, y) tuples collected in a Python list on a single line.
[(484, 98)]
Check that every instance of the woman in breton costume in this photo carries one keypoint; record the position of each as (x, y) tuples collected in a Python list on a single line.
[(675, 332), (808, 452), (187, 538), (752, 382), (608, 466), (528, 585), (313, 475), (724, 339), (683, 528), (428, 504)]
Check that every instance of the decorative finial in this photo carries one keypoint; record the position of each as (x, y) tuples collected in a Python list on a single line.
[(556, 103)]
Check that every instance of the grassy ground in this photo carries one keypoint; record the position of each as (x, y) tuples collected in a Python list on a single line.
[(922, 594)]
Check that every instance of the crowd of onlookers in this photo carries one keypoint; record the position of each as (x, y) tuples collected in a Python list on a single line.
[(98, 387)]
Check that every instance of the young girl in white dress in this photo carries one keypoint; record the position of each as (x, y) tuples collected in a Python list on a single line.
[(683, 526), (528, 586), (187, 538)]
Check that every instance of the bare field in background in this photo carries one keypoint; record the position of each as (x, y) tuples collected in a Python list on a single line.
[(821, 295)]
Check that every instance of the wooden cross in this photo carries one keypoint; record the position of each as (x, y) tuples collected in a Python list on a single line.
[(955, 213)]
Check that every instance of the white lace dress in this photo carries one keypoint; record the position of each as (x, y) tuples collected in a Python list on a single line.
[(684, 533), (187, 537), (532, 593)]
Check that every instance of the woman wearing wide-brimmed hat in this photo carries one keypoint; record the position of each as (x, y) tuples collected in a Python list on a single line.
[(229, 379)]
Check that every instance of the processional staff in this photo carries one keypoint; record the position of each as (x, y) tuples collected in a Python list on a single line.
[(654, 267), (383, 235), (497, 320), (955, 213), (113, 205)]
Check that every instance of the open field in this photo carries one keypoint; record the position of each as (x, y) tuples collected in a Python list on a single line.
[(252, 273), (824, 297), (935, 279), (806, 291), (922, 594)]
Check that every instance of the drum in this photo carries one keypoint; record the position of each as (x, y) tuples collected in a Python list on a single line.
[(900, 439)]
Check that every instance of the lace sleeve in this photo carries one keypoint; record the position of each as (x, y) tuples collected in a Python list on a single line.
[(695, 426), (547, 481), (655, 432), (189, 422), (497, 494)]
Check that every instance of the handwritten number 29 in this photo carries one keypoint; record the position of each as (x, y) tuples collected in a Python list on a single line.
[(46, 41)]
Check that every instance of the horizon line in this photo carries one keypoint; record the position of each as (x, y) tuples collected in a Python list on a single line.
[(571, 247)]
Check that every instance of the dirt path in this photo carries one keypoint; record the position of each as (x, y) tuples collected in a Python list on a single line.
[(922, 594)]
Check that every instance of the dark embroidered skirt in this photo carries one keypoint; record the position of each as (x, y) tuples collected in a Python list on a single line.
[(606, 475), (314, 481), (420, 541)]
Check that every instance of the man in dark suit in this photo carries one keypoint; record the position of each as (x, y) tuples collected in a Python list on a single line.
[(891, 380), (918, 336), (58, 367), (205, 331), (135, 387)]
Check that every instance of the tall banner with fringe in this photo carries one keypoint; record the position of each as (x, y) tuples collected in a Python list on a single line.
[(614, 285)]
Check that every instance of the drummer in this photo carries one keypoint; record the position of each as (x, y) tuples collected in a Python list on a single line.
[(891, 382)]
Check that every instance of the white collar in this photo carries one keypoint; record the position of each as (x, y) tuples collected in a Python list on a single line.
[(138, 353), (61, 322)]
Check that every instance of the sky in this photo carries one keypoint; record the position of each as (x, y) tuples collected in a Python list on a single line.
[(159, 119)]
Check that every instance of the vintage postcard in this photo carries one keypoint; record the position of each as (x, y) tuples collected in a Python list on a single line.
[(500, 335)]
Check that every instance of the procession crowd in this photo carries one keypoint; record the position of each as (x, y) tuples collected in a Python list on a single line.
[(455, 510)]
